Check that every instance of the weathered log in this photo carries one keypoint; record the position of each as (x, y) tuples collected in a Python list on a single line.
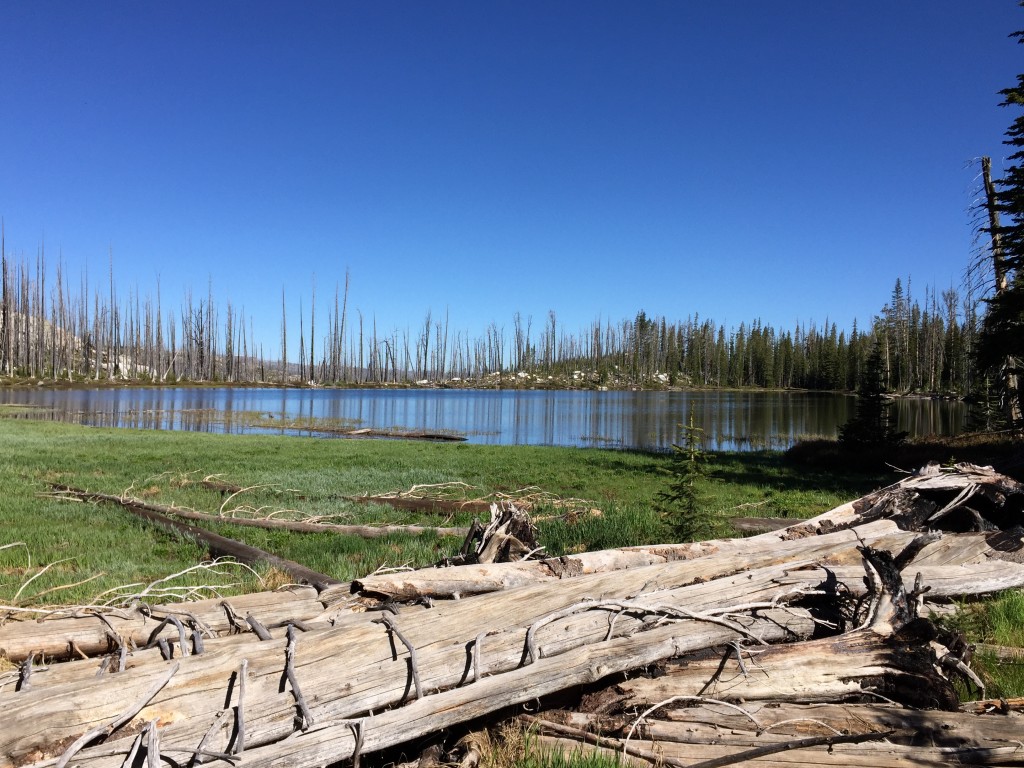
[(906, 504), (702, 729), (348, 673), (715, 558), (101, 630), (759, 524), (703, 719), (336, 737), (307, 699), (297, 526), (419, 504), (858, 663), (219, 546), (890, 656)]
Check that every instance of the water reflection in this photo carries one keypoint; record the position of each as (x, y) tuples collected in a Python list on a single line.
[(645, 420)]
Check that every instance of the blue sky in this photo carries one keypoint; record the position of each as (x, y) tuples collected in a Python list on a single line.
[(738, 159)]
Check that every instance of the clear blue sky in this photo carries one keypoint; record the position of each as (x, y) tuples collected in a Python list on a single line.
[(741, 159)]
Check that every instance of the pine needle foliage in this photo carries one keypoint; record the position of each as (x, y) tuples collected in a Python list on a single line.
[(683, 508), (872, 426)]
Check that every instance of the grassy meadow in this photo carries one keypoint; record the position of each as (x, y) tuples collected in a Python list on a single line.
[(56, 552), (311, 475)]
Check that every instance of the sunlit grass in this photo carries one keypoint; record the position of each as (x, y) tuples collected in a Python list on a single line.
[(313, 476), (997, 621)]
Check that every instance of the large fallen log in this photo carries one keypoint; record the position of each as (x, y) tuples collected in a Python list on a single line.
[(884, 749), (100, 629), (362, 668), (219, 546), (545, 640), (162, 513), (956, 499), (377, 679)]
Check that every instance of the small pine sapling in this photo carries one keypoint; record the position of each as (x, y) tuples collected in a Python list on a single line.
[(682, 505)]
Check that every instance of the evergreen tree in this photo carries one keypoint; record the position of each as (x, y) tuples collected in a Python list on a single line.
[(682, 506), (1001, 342), (872, 426)]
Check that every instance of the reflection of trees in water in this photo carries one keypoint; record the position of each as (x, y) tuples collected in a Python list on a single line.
[(645, 420)]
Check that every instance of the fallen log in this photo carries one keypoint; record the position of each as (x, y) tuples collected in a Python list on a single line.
[(417, 504), (219, 546), (816, 752), (352, 672), (907, 504), (375, 680), (709, 559), (101, 629), (759, 524), (545, 639), (298, 526), (703, 719)]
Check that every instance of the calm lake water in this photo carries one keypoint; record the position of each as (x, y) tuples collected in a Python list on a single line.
[(645, 420)]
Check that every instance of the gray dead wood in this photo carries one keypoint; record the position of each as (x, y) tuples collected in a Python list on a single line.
[(357, 682), (92, 634), (907, 505), (689, 722), (335, 739), (829, 669), (420, 504), (691, 731), (298, 526), (709, 559), (759, 524), (219, 546), (348, 672), (877, 755)]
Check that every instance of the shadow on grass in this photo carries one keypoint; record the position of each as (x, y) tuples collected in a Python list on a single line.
[(781, 473), (1004, 452)]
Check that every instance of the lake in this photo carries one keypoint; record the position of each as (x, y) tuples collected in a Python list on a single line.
[(731, 420)]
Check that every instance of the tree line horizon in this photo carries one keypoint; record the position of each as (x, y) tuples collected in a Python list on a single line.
[(49, 330)]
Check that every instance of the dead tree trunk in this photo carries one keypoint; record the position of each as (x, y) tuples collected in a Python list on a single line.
[(357, 682)]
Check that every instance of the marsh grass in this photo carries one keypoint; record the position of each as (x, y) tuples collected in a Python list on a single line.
[(311, 476), (998, 620), (515, 747)]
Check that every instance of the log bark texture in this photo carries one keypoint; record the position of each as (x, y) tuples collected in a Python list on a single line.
[(828, 609)]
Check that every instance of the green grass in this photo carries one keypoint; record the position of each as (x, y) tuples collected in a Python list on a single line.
[(79, 541), (998, 620)]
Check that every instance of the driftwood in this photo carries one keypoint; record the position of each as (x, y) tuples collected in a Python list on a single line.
[(829, 609)]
